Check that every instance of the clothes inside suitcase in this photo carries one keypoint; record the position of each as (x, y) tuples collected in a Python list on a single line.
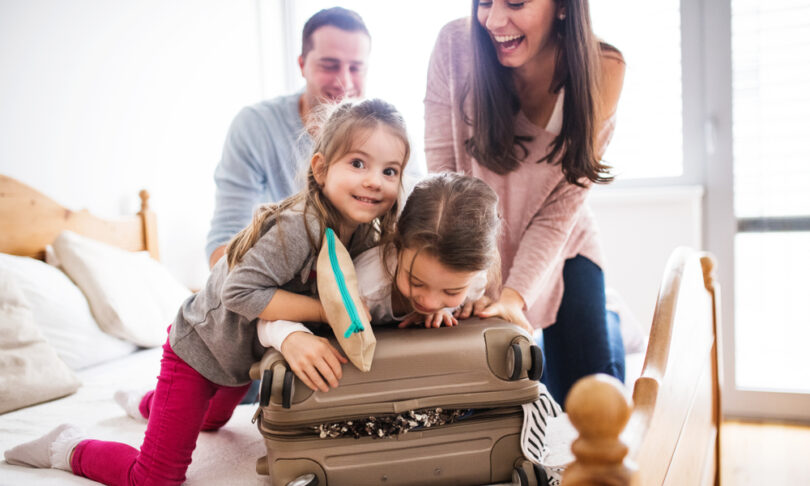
[(448, 402)]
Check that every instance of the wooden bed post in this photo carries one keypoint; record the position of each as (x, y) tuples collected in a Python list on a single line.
[(599, 409), (708, 265), (149, 222)]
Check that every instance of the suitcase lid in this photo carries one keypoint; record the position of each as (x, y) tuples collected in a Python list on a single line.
[(466, 366)]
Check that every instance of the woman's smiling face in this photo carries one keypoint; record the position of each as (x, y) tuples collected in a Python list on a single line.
[(519, 30)]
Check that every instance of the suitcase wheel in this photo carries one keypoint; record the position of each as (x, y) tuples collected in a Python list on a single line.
[(536, 370), (305, 480), (529, 474), (264, 391), (539, 474), (287, 391), (515, 361)]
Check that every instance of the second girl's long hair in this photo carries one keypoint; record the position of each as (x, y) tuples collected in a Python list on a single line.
[(495, 143), (453, 218), (339, 129)]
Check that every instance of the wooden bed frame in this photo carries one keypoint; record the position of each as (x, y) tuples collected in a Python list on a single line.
[(29, 221), (672, 435), (669, 435)]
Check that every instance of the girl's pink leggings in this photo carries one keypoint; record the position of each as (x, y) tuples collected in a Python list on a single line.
[(183, 404)]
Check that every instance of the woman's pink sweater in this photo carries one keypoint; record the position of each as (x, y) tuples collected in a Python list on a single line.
[(546, 219)]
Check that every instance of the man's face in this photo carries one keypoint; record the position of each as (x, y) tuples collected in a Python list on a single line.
[(336, 66)]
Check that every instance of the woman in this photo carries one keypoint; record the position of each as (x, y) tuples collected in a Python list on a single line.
[(523, 96)]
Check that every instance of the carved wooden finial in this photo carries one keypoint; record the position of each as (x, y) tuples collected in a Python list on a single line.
[(599, 409), (144, 194)]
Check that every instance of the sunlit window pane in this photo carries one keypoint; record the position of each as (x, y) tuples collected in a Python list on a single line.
[(771, 126), (772, 324), (648, 141)]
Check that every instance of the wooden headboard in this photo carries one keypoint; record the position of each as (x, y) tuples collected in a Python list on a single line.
[(30, 220)]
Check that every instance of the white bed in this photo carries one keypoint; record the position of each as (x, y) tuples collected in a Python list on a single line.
[(29, 221), (225, 457)]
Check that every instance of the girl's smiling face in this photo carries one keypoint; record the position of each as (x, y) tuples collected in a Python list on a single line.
[(519, 30), (428, 284), (364, 183)]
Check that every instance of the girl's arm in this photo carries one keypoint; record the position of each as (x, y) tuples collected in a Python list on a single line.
[(276, 259), (293, 307)]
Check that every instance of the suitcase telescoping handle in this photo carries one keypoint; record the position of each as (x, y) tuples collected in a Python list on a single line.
[(278, 380)]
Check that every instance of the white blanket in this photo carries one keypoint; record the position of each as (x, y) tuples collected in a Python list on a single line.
[(224, 457)]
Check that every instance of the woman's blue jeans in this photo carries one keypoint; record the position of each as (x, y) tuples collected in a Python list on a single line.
[(585, 338)]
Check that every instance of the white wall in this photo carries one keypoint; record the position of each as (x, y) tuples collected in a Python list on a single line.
[(101, 98), (639, 229)]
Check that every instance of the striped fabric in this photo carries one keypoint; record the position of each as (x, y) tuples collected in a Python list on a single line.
[(533, 435)]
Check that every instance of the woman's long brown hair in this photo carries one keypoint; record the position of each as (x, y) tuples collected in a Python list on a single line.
[(495, 103)]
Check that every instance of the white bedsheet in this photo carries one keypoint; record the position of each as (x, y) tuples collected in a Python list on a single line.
[(224, 457)]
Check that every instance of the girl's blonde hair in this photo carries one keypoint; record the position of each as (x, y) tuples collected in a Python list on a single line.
[(339, 129), (454, 218)]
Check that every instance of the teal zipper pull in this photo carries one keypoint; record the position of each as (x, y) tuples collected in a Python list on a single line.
[(357, 324)]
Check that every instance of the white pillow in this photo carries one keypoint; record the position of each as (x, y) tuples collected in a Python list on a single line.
[(132, 296), (31, 370), (61, 313), (634, 338)]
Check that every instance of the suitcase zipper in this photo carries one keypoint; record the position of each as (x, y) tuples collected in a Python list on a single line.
[(303, 433), (370, 411)]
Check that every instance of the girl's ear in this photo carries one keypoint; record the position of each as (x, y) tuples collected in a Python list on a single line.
[(318, 165)]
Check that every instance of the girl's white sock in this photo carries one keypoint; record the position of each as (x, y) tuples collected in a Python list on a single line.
[(130, 401), (51, 450)]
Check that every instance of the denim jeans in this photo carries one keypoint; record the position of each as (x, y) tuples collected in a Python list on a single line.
[(585, 338)]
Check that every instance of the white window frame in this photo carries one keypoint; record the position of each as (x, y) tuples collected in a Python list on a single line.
[(720, 222)]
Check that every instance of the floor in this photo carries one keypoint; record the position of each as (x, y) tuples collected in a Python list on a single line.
[(764, 453)]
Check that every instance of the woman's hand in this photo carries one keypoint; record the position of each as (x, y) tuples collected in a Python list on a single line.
[(313, 360), (509, 308), (431, 320)]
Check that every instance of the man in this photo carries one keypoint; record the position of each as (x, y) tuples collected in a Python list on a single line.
[(266, 141)]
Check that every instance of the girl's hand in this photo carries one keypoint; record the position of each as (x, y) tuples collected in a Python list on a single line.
[(509, 308), (313, 360), (432, 320), (472, 308)]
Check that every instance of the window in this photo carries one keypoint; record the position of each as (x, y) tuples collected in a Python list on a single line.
[(648, 142), (770, 79)]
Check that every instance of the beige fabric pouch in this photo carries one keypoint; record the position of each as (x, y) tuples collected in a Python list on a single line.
[(340, 297)]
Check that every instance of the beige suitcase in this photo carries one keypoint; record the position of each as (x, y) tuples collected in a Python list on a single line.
[(488, 366)]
